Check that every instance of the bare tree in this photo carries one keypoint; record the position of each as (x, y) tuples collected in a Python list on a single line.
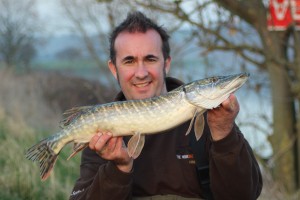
[(93, 21), (25, 55), (18, 24), (240, 27)]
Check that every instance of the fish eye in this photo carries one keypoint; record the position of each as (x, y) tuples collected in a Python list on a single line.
[(214, 79)]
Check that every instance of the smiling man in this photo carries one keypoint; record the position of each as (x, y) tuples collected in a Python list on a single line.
[(166, 168), (140, 66)]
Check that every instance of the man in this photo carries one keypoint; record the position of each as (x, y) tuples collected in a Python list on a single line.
[(140, 61)]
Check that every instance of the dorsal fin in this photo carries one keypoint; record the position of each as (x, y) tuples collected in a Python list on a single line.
[(71, 114)]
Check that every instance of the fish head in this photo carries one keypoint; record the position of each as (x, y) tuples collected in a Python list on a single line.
[(211, 92)]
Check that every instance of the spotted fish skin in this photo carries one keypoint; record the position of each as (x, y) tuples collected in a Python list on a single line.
[(136, 117)]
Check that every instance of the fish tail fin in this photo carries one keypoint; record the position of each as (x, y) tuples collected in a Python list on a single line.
[(43, 153)]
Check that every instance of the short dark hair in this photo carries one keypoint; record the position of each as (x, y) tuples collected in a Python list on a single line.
[(138, 22)]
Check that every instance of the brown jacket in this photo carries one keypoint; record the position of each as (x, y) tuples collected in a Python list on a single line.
[(166, 166)]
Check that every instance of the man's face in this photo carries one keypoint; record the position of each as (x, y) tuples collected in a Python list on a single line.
[(140, 66)]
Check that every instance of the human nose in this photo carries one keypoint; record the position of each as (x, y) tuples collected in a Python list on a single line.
[(141, 71)]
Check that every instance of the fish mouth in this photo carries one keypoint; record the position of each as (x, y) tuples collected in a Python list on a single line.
[(236, 81)]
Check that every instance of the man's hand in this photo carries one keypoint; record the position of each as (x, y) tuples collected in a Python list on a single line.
[(221, 119), (113, 149)]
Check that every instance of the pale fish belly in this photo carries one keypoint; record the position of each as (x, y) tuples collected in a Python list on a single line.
[(84, 130)]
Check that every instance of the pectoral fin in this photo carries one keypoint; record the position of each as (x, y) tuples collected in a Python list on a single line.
[(197, 115), (199, 126), (135, 145), (77, 147), (191, 124)]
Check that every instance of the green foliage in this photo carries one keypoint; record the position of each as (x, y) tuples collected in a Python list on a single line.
[(19, 177)]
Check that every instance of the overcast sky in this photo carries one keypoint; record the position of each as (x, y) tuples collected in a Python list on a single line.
[(52, 17)]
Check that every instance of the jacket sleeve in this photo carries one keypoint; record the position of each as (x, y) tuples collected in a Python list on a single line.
[(101, 180), (234, 171)]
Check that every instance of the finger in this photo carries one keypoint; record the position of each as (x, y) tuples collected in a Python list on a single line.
[(230, 104), (94, 140), (111, 144), (101, 142)]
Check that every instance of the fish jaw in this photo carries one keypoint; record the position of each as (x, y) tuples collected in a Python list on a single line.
[(210, 93)]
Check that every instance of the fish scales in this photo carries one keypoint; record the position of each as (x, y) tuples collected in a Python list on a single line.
[(143, 120), (121, 119), (135, 117)]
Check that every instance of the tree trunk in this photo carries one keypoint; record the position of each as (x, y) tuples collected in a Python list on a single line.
[(296, 35), (297, 150), (283, 138)]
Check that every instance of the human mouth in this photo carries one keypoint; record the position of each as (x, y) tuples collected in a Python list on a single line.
[(140, 85)]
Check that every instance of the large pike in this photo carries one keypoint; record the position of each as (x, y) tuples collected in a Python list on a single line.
[(137, 118)]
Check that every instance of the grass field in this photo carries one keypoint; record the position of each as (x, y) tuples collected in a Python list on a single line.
[(20, 178)]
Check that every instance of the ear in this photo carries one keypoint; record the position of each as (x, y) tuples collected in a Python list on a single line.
[(168, 64), (112, 68)]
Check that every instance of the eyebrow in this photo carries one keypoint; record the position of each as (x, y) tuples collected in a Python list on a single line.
[(151, 56), (127, 58)]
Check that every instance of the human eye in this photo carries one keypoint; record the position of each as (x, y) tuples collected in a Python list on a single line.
[(128, 60), (151, 59)]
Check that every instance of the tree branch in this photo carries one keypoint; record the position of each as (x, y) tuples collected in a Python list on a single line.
[(246, 10)]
